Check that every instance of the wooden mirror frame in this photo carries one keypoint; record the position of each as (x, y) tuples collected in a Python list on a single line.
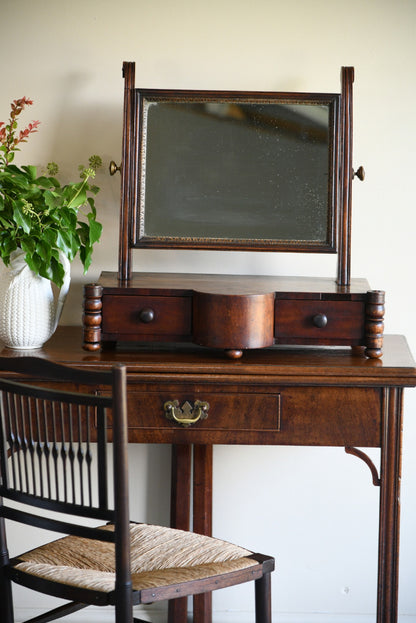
[(341, 175), (232, 196)]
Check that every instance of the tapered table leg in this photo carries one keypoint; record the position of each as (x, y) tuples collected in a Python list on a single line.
[(388, 562), (180, 507), (202, 517)]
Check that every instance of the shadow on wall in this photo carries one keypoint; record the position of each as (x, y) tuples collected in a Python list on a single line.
[(84, 124), (81, 127)]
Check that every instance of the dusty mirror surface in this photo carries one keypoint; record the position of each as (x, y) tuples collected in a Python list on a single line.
[(237, 173)]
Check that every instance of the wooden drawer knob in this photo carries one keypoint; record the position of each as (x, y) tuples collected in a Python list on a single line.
[(146, 315), (320, 321)]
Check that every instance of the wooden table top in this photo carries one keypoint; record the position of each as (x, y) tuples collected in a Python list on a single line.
[(186, 283), (300, 365)]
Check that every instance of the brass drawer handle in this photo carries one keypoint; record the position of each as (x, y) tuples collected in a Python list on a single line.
[(187, 414)]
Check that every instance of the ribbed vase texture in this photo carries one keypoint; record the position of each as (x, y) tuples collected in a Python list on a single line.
[(29, 313)]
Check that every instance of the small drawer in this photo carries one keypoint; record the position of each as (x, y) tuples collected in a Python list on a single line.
[(147, 315), (309, 319), (225, 411), (312, 416)]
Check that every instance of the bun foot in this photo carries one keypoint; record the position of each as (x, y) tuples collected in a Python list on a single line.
[(234, 354)]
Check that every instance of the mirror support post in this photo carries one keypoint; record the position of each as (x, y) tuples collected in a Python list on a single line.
[(129, 129), (344, 255)]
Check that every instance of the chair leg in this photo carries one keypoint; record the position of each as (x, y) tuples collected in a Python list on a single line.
[(263, 599), (6, 598), (124, 605)]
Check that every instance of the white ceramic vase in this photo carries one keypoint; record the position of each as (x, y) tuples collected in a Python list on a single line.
[(29, 311)]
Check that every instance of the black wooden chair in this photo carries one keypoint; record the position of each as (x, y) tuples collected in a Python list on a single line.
[(53, 459)]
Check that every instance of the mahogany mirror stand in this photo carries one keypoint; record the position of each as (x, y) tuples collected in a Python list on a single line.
[(229, 312)]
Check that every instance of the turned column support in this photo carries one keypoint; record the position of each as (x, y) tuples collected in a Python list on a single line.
[(92, 317), (374, 323)]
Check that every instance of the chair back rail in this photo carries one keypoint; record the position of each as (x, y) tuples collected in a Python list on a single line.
[(53, 444)]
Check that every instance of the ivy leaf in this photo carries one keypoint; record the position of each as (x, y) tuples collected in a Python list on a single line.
[(28, 245), (34, 262), (56, 272), (46, 182), (50, 199), (95, 229), (75, 195), (5, 224), (64, 243), (12, 168), (22, 219), (7, 246), (44, 251), (31, 171), (85, 254), (50, 236)]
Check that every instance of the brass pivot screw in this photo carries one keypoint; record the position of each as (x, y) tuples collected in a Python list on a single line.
[(113, 168), (360, 173)]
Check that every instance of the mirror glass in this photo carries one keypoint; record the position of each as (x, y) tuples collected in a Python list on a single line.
[(237, 172)]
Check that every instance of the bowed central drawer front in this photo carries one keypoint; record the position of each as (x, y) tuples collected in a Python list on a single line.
[(337, 416)]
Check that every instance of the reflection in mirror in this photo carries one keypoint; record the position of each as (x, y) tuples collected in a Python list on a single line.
[(255, 172)]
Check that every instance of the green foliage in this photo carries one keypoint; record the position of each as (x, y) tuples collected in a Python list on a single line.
[(38, 214)]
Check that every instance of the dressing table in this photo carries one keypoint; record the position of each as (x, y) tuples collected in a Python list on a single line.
[(273, 396), (226, 359)]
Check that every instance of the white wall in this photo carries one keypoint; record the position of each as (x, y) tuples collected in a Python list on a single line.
[(316, 509)]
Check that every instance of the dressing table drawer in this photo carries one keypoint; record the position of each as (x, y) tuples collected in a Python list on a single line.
[(320, 319), (203, 410), (147, 316), (337, 416)]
